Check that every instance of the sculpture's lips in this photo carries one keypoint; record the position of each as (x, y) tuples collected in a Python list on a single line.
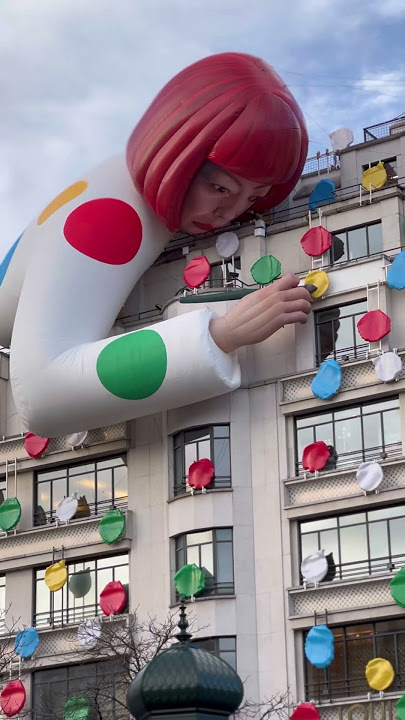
[(203, 226)]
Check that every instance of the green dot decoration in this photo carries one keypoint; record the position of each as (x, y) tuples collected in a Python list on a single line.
[(189, 580), (112, 526), (134, 366), (265, 270), (10, 514), (401, 708), (76, 708), (397, 587), (80, 583)]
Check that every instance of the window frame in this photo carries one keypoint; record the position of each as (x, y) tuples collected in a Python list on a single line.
[(349, 687), (218, 284), (96, 508), (199, 643), (214, 588), (345, 231), (371, 566), (344, 354), (68, 615), (179, 443), (356, 456)]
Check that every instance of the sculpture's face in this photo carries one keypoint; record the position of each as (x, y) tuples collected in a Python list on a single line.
[(216, 197)]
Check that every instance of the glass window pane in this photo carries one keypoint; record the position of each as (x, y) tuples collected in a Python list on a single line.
[(222, 460), (392, 427), (207, 560), (325, 433), (344, 333), (372, 431), (353, 543), (199, 537), (323, 524), (59, 491), (375, 239), (52, 474), (313, 420), (190, 455), (193, 555), (204, 449), (84, 469), (390, 512), (196, 434), (227, 643), (348, 435), (357, 242), (223, 534), (353, 519), (385, 648), (379, 406), (329, 543), (120, 482), (104, 485), (110, 462), (397, 535), (339, 247), (309, 544), (44, 496), (84, 485), (349, 413), (304, 437), (326, 339), (221, 431), (224, 563), (378, 538)]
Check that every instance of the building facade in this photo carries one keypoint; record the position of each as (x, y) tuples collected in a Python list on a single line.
[(262, 514)]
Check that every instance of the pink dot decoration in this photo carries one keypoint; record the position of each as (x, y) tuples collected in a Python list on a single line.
[(315, 456), (305, 711), (34, 445), (12, 698), (113, 598), (374, 325), (197, 272), (106, 229), (316, 241), (200, 473)]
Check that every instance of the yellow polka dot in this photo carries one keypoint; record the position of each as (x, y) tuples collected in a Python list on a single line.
[(72, 192), (320, 279)]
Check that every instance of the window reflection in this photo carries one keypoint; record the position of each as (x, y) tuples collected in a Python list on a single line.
[(336, 332), (354, 243), (212, 551), (212, 442)]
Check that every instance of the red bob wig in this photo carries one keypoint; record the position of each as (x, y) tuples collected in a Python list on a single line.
[(230, 108)]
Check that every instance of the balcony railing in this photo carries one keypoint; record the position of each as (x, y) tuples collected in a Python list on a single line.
[(355, 457), (384, 129), (359, 352), (84, 510), (351, 686), (321, 161), (182, 488)]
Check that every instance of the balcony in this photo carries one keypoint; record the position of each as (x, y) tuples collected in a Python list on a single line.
[(385, 129)]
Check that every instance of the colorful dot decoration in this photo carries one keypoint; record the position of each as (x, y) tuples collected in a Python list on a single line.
[(375, 177), (265, 270), (13, 698), (374, 325), (105, 229), (56, 576), (327, 380), (316, 241), (34, 445), (320, 279), (113, 599), (315, 456), (320, 646), (10, 513), (305, 711), (70, 193), (189, 580), (200, 473), (379, 674), (397, 588), (133, 366), (196, 272)]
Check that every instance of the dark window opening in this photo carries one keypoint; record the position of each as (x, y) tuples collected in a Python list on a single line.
[(212, 442), (336, 333), (357, 242)]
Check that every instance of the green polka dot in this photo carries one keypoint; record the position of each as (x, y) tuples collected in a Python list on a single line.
[(134, 366)]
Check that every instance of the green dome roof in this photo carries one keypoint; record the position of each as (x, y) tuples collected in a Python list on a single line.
[(184, 678)]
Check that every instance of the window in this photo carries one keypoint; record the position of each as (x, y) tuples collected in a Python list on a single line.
[(61, 607), (103, 684), (222, 647), (98, 485), (210, 442), (355, 646), (212, 551), (337, 335), (216, 278), (391, 168), (356, 242), (364, 432), (362, 543)]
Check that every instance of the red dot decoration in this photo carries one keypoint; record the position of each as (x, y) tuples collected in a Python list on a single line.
[(200, 473), (305, 711), (113, 598), (12, 698), (374, 325), (34, 445), (315, 456), (197, 272), (106, 229), (316, 241)]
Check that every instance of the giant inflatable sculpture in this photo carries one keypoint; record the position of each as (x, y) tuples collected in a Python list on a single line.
[(223, 136)]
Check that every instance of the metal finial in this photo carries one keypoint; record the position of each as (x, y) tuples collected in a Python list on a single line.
[(183, 636)]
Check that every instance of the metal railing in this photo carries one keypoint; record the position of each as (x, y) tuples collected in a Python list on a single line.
[(84, 510), (355, 457), (359, 352), (369, 567), (183, 488), (67, 616), (321, 161), (384, 129), (328, 689)]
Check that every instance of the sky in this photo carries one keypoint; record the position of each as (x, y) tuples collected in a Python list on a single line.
[(76, 75)]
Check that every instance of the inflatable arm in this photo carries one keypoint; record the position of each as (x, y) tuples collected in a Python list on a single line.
[(84, 259)]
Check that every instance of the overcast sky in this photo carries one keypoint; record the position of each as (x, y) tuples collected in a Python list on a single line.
[(76, 75)]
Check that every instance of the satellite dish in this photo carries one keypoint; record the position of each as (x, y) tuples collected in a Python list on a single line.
[(341, 139), (77, 439), (227, 244)]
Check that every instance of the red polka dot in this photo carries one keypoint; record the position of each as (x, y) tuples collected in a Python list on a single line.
[(35, 445), (105, 229)]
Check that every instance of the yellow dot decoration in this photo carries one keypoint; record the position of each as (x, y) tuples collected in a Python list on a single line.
[(56, 576), (379, 674), (320, 279), (72, 192), (375, 177)]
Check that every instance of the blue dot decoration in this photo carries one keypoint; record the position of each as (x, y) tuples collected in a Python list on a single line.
[(26, 642), (396, 273), (324, 192), (320, 646), (327, 380)]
